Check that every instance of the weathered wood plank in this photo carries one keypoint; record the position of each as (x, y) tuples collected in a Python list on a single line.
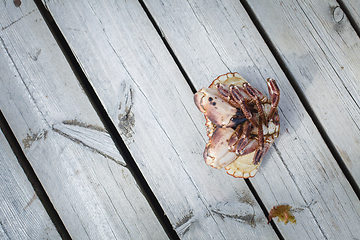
[(322, 53), (210, 39), (22, 215), (62, 137), (152, 106), (354, 8)]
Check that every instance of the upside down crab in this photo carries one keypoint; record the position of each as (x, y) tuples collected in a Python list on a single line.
[(241, 123)]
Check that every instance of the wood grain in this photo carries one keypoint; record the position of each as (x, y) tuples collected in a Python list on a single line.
[(152, 106), (299, 170), (61, 135), (321, 50), (22, 215), (353, 7)]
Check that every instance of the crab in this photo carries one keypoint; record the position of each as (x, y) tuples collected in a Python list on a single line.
[(241, 123)]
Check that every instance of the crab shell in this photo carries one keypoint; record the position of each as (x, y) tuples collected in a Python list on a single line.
[(221, 117)]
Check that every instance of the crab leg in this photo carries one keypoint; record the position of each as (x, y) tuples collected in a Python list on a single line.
[(240, 138), (244, 139), (225, 94), (255, 96), (223, 91), (274, 92), (267, 146), (233, 140), (259, 152), (240, 100)]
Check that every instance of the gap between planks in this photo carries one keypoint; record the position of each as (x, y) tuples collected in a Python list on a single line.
[(33, 179), (349, 16), (302, 96), (167, 45), (96, 103), (185, 75)]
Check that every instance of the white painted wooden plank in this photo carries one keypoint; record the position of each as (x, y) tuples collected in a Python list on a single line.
[(149, 101), (22, 214), (354, 8), (63, 138), (210, 39), (92, 137), (322, 52)]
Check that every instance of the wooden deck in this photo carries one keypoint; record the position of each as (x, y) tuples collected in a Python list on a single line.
[(98, 96)]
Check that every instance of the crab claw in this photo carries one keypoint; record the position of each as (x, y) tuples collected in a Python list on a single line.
[(220, 112), (199, 95), (217, 152), (218, 155)]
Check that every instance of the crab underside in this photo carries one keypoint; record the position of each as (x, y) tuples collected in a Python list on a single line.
[(241, 123)]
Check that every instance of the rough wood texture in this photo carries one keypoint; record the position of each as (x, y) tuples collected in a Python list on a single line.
[(22, 216), (150, 102), (322, 53), (354, 8), (63, 138), (211, 39)]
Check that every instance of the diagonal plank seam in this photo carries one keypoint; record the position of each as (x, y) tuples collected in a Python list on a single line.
[(349, 17), (167, 45), (263, 208), (302, 98), (33, 179), (308, 205), (186, 77), (100, 110)]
